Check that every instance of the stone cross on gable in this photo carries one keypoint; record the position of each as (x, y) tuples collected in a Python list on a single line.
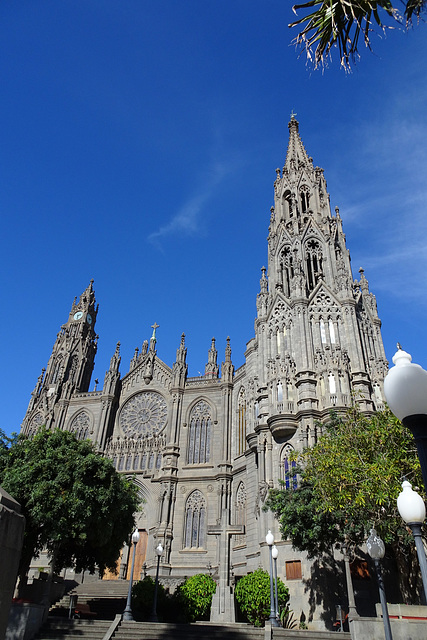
[(222, 608), (154, 327)]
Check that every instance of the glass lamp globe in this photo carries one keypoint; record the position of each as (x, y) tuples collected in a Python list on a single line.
[(411, 505), (269, 538), (275, 552), (135, 536), (375, 546), (405, 387), (159, 549)]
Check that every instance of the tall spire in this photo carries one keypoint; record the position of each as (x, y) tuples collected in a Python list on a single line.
[(227, 368), (211, 368), (179, 369), (296, 154)]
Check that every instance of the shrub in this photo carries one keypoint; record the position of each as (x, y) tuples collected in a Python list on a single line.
[(195, 596), (143, 597), (253, 596)]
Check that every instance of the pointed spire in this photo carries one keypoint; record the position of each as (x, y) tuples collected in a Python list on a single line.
[(115, 360), (296, 153), (112, 376), (181, 352), (227, 368), (364, 285), (211, 368), (263, 282), (179, 369), (228, 350), (134, 359)]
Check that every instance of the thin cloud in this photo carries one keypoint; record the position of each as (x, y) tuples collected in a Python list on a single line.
[(186, 220)]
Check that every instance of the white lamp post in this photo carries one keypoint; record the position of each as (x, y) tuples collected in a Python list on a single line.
[(376, 550), (127, 613), (269, 538), (413, 511), (405, 389), (153, 617), (275, 553)]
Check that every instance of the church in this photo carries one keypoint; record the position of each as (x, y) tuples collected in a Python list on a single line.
[(204, 451)]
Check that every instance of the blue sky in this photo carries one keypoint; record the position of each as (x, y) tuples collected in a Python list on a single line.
[(138, 146)]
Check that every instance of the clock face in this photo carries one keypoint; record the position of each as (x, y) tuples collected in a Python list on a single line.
[(78, 315), (89, 318)]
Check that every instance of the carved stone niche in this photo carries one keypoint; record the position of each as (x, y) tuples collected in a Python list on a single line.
[(282, 426)]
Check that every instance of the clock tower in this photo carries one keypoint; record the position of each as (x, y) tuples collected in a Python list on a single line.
[(69, 368)]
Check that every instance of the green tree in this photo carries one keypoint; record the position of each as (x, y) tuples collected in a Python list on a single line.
[(252, 593), (75, 503), (349, 482), (343, 22)]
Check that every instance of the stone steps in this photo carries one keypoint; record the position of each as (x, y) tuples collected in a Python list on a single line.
[(151, 631), (64, 629), (306, 634), (105, 598)]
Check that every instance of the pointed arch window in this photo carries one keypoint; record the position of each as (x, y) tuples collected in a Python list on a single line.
[(195, 521), (286, 269), (72, 369), (199, 440), (332, 331), (288, 467), (314, 261), (56, 370), (305, 198), (240, 513), (287, 203), (80, 426), (322, 332), (241, 444)]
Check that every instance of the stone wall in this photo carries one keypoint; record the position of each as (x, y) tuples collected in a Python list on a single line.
[(12, 524)]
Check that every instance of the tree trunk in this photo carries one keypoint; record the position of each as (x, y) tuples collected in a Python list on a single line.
[(408, 574)]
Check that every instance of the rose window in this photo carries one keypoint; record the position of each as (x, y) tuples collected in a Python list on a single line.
[(144, 414)]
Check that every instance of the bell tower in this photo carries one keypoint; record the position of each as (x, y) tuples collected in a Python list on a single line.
[(317, 331), (69, 368)]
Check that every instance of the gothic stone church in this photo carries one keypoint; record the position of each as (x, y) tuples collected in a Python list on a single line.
[(204, 451)]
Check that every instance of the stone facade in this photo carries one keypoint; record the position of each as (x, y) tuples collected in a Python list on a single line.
[(205, 451)]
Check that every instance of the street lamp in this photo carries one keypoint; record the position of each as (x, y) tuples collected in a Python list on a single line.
[(153, 617), (405, 389), (127, 613), (275, 553), (269, 538), (376, 550), (413, 511)]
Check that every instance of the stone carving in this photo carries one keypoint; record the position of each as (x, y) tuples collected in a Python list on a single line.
[(144, 414)]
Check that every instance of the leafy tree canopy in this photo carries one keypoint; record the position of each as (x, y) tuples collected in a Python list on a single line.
[(75, 503), (349, 482), (343, 22)]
